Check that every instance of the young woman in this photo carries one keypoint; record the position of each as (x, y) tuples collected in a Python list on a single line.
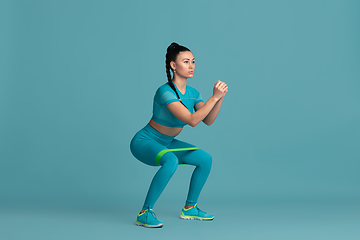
[(155, 144)]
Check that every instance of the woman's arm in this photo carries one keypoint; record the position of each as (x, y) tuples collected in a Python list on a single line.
[(210, 118), (182, 113), (193, 119)]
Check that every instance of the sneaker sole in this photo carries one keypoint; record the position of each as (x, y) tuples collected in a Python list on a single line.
[(148, 226), (196, 218)]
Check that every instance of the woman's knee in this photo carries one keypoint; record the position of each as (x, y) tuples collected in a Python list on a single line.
[(170, 161), (206, 159)]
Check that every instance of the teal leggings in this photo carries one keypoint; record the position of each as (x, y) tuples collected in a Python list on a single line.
[(154, 148)]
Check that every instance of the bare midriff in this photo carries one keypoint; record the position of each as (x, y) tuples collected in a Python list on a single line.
[(169, 131)]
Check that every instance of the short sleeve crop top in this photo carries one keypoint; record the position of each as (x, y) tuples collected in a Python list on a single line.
[(165, 95)]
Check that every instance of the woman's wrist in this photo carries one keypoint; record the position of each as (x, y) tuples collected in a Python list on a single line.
[(215, 98)]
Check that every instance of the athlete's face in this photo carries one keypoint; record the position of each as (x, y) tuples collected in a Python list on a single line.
[(185, 64)]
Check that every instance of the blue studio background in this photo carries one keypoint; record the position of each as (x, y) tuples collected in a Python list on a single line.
[(77, 81)]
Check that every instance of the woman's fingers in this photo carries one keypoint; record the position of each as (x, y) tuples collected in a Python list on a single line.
[(217, 84), (220, 84), (224, 89), (221, 88)]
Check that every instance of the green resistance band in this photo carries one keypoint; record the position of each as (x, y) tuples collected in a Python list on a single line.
[(160, 154)]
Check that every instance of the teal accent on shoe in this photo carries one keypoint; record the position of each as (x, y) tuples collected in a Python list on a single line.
[(148, 219), (196, 214)]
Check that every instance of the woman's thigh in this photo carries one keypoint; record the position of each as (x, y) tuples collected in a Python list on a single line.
[(191, 157), (145, 149)]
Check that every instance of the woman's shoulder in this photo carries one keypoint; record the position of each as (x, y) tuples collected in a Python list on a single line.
[(164, 88), (164, 94)]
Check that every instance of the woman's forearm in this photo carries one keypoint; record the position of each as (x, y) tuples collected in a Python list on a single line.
[(210, 118), (203, 112)]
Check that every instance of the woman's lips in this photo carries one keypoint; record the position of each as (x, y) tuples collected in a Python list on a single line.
[(191, 72)]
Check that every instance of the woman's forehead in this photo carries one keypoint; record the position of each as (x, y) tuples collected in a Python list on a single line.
[(183, 55)]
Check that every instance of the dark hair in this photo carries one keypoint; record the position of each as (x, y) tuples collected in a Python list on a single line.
[(172, 52)]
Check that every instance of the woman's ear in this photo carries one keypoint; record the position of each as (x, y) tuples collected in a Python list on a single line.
[(173, 65)]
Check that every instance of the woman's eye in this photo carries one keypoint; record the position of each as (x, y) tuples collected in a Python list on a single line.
[(186, 62)]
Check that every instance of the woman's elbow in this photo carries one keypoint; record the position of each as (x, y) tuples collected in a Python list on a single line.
[(209, 123), (192, 124)]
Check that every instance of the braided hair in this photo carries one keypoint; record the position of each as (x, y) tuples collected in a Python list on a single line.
[(172, 52)]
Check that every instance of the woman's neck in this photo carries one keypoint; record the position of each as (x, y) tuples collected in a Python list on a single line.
[(180, 83)]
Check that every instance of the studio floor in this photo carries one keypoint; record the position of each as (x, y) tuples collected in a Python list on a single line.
[(250, 220)]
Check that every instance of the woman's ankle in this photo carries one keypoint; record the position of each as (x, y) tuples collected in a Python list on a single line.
[(188, 206)]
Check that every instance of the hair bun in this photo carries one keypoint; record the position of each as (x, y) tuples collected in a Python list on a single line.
[(172, 46)]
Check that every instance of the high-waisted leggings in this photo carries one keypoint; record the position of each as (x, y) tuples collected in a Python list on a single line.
[(154, 148)]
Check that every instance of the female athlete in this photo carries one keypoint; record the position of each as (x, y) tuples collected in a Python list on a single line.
[(156, 145)]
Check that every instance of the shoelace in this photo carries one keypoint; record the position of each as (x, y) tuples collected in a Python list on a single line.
[(152, 212), (200, 211)]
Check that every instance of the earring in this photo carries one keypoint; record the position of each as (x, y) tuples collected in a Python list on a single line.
[(174, 71)]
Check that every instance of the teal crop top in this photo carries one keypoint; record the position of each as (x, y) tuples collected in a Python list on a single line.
[(165, 95)]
